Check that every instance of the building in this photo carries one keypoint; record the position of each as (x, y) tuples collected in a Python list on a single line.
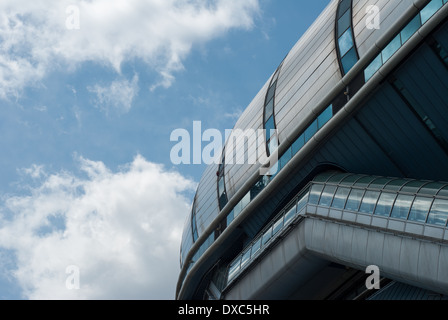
[(360, 105)]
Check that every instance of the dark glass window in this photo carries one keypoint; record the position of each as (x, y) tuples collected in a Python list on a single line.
[(286, 157), (431, 8), (271, 91), (373, 67), (222, 200), (269, 109), (344, 22), (410, 29), (349, 60), (194, 228), (311, 131), (343, 7), (391, 48), (345, 42), (325, 116), (298, 144), (270, 125)]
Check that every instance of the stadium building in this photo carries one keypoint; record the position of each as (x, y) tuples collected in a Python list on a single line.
[(360, 156)]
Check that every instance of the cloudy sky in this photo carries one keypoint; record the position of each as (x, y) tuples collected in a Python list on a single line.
[(90, 91)]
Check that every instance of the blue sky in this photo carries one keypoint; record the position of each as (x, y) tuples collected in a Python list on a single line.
[(85, 119)]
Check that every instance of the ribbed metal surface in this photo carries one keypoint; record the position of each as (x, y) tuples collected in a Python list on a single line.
[(389, 12), (309, 71), (401, 291)]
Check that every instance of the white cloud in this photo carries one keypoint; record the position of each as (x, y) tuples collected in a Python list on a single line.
[(34, 38), (121, 229), (117, 97)]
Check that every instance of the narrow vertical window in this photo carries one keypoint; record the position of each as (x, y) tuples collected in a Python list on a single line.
[(345, 39), (269, 114), (221, 185), (194, 226)]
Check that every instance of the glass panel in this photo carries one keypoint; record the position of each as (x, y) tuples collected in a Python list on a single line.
[(221, 186), (413, 186), (379, 183), (223, 201), (237, 209), (270, 125), (316, 190), (344, 22), (420, 209), (340, 198), (267, 236), (245, 201), (257, 188), (325, 117), (311, 131), (354, 199), (273, 144), (350, 180), (271, 91), (246, 258), (344, 6), (324, 177), (391, 48), (431, 188), (373, 67), (345, 42), (349, 60), (395, 185), (234, 269), (327, 196), (277, 226), (337, 178), (369, 201), (439, 212), (230, 218), (410, 29), (269, 110), (290, 215), (298, 144), (273, 170), (402, 206), (443, 192), (302, 201), (385, 204), (256, 247), (286, 157), (364, 182), (431, 8)]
